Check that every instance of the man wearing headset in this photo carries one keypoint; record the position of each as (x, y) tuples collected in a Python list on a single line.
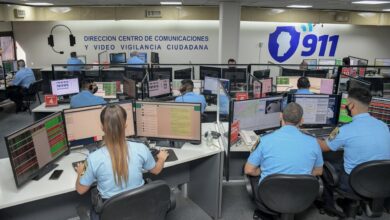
[(187, 94), (86, 97)]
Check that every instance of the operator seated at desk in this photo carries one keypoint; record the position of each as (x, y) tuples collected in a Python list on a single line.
[(303, 86), (134, 59), (86, 97), (285, 151), (187, 94), (117, 166), (364, 139), (74, 60), (20, 84)]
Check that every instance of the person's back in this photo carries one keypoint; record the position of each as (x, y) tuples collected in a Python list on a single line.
[(24, 78), (303, 86), (188, 95), (86, 97), (74, 60)]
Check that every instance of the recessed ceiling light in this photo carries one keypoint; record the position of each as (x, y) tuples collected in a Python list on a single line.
[(367, 14), (170, 3), (371, 2), (39, 3), (299, 6), (387, 9), (61, 10), (277, 11)]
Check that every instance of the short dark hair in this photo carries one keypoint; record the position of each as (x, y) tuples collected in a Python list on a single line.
[(73, 54), (346, 61), (21, 63), (361, 95), (231, 60), (188, 84), (303, 83), (293, 113)]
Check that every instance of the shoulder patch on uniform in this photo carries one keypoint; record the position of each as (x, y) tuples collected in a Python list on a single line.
[(257, 144), (334, 133)]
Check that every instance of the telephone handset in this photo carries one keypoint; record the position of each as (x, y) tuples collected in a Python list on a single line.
[(250, 138)]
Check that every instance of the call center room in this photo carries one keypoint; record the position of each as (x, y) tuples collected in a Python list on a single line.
[(194, 109)]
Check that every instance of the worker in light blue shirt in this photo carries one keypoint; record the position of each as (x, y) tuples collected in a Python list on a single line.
[(19, 85), (134, 59), (303, 85), (364, 139), (86, 97), (286, 150), (186, 89), (74, 60)]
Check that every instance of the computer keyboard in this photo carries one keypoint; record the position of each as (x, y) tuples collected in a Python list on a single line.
[(320, 132), (171, 157)]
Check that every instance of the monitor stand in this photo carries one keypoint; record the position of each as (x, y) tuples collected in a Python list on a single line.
[(173, 144), (47, 169)]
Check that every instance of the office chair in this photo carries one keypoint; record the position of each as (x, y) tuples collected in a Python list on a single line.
[(152, 201), (31, 93), (283, 195), (370, 182)]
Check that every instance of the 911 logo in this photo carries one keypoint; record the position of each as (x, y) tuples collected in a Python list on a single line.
[(285, 40)]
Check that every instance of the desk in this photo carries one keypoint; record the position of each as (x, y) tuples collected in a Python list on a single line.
[(42, 111), (199, 167)]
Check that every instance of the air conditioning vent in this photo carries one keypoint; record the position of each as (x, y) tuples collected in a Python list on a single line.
[(152, 14)]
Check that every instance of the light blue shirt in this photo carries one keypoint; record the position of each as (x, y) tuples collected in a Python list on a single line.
[(192, 98), (85, 98), (303, 91), (24, 77), (364, 139), (135, 60), (74, 60), (99, 169), (286, 151)]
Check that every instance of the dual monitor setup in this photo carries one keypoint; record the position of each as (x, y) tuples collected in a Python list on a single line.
[(34, 149)]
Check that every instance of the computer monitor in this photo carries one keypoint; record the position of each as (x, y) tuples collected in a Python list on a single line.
[(134, 73), (83, 125), (214, 72), (83, 58), (130, 88), (358, 83), (33, 149), (183, 74), (172, 121), (106, 90), (65, 87), (318, 110), (286, 83), (117, 58), (355, 61), (329, 62), (292, 72), (159, 88), (317, 73), (154, 58), (211, 85), (235, 75), (143, 56), (383, 62), (161, 73), (266, 86), (257, 114), (311, 64), (321, 86), (261, 74), (380, 109), (10, 66), (343, 116)]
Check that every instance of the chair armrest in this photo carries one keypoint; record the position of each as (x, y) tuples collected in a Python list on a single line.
[(330, 175), (172, 204), (321, 189), (248, 186)]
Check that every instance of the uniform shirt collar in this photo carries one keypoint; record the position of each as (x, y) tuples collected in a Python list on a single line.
[(189, 93), (304, 90), (289, 128), (361, 115)]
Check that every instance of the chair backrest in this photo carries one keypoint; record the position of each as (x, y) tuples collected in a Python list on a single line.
[(371, 179), (151, 201), (35, 87), (288, 194)]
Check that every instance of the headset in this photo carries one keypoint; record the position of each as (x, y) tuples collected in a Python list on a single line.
[(50, 39)]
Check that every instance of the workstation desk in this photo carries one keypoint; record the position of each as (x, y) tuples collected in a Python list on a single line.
[(198, 170)]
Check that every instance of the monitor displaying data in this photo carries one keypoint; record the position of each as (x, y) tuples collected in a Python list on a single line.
[(383, 62), (129, 88), (32, 148), (211, 85), (159, 87), (214, 72), (106, 90), (311, 64), (257, 114), (343, 116), (65, 86), (261, 74), (173, 121), (329, 62), (116, 58), (318, 109), (83, 124), (161, 73), (380, 109), (292, 72), (235, 75), (135, 73), (183, 74), (286, 83)]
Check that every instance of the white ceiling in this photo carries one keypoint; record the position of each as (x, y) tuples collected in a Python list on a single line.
[(317, 4)]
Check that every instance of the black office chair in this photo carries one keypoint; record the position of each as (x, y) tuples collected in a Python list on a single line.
[(32, 93), (152, 201), (285, 195), (370, 182)]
